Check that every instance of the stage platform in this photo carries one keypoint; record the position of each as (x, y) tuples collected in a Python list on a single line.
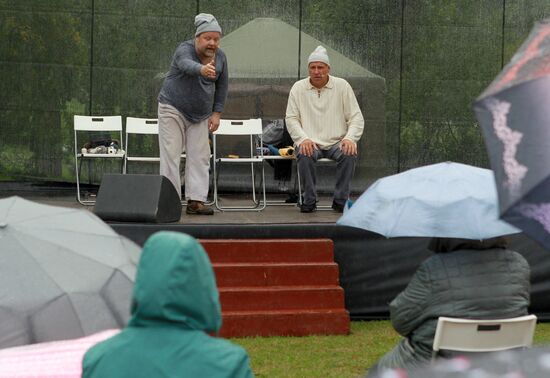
[(373, 269)]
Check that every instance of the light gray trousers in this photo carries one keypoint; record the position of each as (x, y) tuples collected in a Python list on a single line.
[(344, 173), (177, 134)]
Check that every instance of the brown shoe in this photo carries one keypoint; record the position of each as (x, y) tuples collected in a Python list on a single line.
[(198, 208)]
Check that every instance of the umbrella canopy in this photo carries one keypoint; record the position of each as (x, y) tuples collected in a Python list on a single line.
[(514, 113), (55, 359), (515, 363), (64, 273), (442, 200)]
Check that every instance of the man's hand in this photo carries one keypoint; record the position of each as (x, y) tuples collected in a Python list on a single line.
[(209, 70), (348, 147), (214, 121), (307, 147)]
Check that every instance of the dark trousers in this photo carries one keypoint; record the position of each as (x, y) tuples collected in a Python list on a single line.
[(344, 173)]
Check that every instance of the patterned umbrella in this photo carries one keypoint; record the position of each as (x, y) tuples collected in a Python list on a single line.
[(514, 113)]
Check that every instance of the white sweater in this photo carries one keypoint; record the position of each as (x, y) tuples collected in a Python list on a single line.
[(326, 115)]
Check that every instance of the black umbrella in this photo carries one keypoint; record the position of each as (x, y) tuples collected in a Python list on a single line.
[(514, 114)]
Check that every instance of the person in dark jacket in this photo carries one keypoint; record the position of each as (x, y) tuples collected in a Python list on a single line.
[(175, 307), (464, 279)]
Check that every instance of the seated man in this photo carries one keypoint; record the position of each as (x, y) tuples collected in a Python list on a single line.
[(324, 121), (175, 306), (464, 279)]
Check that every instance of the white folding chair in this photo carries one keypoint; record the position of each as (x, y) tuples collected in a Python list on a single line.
[(141, 126), (252, 130), (469, 335), (111, 124)]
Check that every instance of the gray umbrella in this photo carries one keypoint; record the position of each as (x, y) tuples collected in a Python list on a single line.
[(514, 113), (64, 273)]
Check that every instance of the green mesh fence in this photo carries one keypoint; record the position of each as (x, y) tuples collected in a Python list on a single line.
[(416, 67)]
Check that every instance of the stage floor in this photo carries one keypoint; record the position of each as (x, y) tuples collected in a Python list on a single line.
[(272, 214)]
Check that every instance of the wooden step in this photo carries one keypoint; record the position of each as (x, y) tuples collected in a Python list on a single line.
[(285, 323), (277, 274), (281, 298), (281, 287), (268, 250)]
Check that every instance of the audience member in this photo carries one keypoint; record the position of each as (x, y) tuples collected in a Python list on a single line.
[(464, 279), (175, 307)]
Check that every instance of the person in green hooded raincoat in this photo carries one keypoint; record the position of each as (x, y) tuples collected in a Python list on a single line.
[(175, 307)]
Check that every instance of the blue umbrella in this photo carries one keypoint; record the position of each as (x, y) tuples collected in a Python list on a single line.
[(442, 200)]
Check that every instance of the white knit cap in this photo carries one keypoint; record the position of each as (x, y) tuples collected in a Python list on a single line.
[(319, 55), (206, 23)]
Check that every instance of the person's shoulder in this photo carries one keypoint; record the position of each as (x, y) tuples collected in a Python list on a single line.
[(516, 256), (300, 84), (218, 349), (186, 46), (340, 82)]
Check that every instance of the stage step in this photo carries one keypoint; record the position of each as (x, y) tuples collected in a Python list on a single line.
[(269, 250), (281, 298), (275, 274), (278, 287), (285, 323)]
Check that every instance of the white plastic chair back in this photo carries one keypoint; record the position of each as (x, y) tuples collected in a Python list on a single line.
[(90, 124), (143, 126), (251, 128), (468, 335)]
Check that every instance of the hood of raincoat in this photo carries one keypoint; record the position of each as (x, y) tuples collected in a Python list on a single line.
[(175, 285), (455, 244)]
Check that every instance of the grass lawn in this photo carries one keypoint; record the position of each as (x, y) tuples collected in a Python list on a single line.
[(331, 356)]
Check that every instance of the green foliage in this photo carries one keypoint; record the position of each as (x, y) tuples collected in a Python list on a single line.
[(432, 142), (14, 161), (436, 58)]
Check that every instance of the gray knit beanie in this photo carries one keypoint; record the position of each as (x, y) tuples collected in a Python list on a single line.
[(319, 55), (206, 23)]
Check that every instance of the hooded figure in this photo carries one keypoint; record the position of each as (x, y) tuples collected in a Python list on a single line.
[(175, 306), (464, 279)]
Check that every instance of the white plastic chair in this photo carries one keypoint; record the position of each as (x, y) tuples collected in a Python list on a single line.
[(89, 124), (142, 126), (469, 335), (251, 130)]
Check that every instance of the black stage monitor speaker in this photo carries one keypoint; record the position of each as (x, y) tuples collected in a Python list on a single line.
[(137, 198)]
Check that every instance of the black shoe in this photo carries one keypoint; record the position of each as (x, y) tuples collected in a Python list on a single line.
[(337, 207), (307, 208)]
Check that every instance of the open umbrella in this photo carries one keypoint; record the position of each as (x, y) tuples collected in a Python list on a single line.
[(517, 363), (441, 200), (54, 359), (514, 113), (64, 273)]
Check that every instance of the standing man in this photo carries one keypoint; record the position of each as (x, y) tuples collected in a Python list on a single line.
[(324, 120), (190, 105)]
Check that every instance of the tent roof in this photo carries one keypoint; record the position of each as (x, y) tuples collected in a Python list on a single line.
[(268, 47)]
